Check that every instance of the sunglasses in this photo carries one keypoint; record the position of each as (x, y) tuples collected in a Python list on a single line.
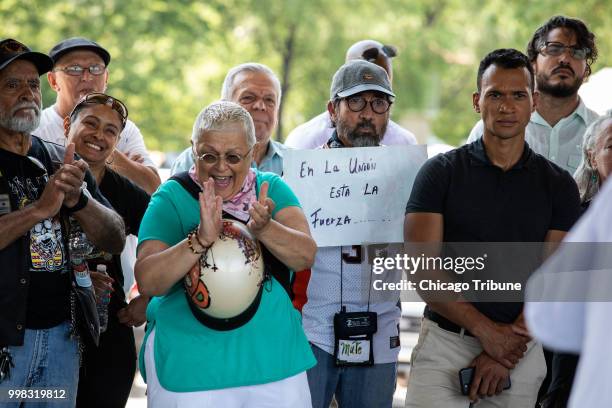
[(102, 99), (371, 54), (554, 49)]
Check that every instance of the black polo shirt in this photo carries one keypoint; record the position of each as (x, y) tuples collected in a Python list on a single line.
[(480, 202)]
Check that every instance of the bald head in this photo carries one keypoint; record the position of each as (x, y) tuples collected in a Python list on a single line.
[(373, 51)]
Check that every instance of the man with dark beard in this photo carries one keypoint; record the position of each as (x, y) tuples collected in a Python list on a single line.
[(561, 52), (360, 99)]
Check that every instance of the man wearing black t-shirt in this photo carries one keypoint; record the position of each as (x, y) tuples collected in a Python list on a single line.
[(40, 185), (493, 190)]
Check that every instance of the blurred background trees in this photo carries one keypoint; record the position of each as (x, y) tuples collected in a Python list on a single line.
[(169, 58)]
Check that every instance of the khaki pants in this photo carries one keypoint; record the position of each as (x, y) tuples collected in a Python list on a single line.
[(440, 354)]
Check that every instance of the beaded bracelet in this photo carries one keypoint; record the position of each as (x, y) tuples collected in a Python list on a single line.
[(195, 232), (190, 237)]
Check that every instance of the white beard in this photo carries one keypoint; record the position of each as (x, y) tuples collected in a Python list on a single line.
[(20, 124)]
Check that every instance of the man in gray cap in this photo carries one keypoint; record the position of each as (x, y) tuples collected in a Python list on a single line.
[(80, 67), (359, 106), (319, 129), (41, 186)]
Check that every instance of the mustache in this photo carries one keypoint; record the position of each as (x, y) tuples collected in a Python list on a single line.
[(366, 124), (560, 67), (26, 105)]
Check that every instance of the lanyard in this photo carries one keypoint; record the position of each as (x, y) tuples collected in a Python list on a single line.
[(357, 259)]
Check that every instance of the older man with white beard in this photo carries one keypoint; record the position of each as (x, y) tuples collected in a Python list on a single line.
[(41, 185)]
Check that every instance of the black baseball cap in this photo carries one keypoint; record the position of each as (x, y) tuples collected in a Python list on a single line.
[(11, 50), (78, 43), (359, 76)]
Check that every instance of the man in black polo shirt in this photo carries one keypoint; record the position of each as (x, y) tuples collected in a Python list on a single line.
[(493, 190)]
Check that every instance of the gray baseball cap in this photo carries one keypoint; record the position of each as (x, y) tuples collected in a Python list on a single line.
[(359, 76)]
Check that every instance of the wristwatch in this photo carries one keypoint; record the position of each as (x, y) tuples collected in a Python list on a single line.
[(83, 200)]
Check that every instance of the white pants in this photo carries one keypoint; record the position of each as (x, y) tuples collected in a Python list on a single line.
[(440, 354), (292, 392), (128, 259)]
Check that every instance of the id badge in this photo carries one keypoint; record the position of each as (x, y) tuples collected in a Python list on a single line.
[(353, 334)]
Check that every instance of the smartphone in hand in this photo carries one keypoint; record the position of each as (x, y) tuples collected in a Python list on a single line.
[(466, 376)]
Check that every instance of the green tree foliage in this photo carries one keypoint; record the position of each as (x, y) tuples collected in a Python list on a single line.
[(169, 58)]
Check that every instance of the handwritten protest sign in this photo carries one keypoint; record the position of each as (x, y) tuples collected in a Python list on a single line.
[(356, 195)]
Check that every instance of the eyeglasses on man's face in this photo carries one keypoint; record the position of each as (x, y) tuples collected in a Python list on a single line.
[(554, 49), (358, 103), (212, 158), (77, 70)]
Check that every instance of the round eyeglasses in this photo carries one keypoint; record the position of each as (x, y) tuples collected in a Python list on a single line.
[(358, 103), (213, 159)]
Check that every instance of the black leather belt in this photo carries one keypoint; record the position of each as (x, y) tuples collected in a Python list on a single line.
[(444, 323)]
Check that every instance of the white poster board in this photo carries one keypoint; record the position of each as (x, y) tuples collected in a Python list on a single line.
[(353, 196)]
